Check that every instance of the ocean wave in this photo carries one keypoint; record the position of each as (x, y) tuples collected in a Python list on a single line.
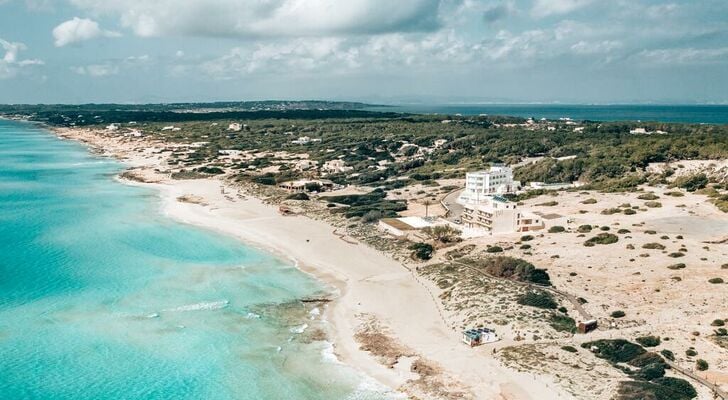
[(299, 329), (202, 306), (252, 315)]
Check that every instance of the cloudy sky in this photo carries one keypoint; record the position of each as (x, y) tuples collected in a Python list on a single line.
[(570, 51)]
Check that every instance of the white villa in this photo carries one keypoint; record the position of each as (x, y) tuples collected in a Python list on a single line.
[(499, 215), (235, 127), (480, 185), (335, 166)]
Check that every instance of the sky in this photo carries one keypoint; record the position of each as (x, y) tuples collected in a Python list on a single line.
[(383, 51)]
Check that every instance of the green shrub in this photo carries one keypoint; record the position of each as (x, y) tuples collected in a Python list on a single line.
[(548, 204), (525, 246), (602, 238), (691, 353), (668, 354), (664, 388), (648, 196), (584, 229), (298, 196), (516, 269), (717, 322), (615, 350), (678, 386), (629, 211), (563, 323), (676, 254), (538, 299), (651, 371), (701, 365), (623, 231), (676, 266), (557, 229), (691, 183), (494, 249), (653, 246), (715, 280), (526, 238), (617, 314), (611, 211), (422, 251), (653, 204), (648, 341), (267, 179), (570, 349), (589, 201)]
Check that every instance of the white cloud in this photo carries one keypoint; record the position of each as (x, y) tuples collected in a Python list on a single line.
[(337, 55), (684, 56), (599, 47), (545, 8), (96, 70), (10, 64), (78, 30), (259, 18)]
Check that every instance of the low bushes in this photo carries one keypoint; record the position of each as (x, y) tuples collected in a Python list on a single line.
[(422, 251), (516, 269), (653, 246), (653, 204), (538, 299), (615, 350), (617, 314), (715, 280), (298, 196), (648, 196), (648, 341), (563, 323), (701, 365), (691, 183), (584, 229), (602, 238), (557, 229)]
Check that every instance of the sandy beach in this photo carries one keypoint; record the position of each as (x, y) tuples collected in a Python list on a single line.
[(369, 288)]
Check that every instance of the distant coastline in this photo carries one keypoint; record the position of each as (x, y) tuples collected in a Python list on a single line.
[(689, 114)]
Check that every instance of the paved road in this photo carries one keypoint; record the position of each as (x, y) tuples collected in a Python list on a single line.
[(450, 201)]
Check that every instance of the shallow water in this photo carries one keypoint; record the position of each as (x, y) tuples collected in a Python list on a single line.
[(102, 297)]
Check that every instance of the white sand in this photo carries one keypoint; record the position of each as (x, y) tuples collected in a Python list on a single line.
[(368, 282)]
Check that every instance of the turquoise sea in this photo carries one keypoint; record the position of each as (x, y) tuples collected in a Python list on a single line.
[(695, 114), (102, 297)]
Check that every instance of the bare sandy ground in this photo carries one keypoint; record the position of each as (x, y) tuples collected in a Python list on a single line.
[(370, 285)]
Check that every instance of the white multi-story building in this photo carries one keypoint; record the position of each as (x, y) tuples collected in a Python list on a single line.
[(480, 185), (499, 215)]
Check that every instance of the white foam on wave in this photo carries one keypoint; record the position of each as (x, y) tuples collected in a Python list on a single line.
[(299, 329), (252, 315), (328, 355), (314, 313), (202, 306)]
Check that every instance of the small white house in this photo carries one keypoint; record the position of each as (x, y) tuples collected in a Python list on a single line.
[(235, 127)]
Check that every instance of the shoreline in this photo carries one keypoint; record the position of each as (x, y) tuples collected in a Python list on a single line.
[(368, 284)]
